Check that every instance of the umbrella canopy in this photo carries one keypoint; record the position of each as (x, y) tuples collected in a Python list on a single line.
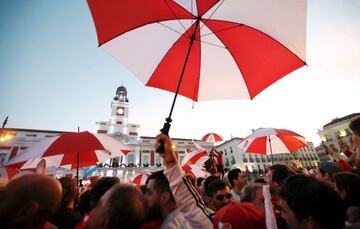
[(272, 141), (212, 137), (68, 149), (140, 178), (197, 157), (195, 170), (208, 50)]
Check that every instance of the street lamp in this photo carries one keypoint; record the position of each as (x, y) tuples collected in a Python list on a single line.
[(5, 137)]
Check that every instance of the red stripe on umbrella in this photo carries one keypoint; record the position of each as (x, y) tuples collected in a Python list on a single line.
[(109, 22), (291, 142), (272, 141), (172, 64), (212, 137), (71, 143), (258, 145), (196, 158)]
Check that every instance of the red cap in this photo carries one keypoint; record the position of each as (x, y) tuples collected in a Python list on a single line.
[(239, 215)]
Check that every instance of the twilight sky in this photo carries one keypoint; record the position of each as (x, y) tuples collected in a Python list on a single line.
[(54, 77)]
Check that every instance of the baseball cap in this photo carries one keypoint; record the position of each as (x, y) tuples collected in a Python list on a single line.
[(239, 215)]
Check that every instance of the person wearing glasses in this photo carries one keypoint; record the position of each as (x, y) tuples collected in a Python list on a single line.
[(191, 204), (220, 194)]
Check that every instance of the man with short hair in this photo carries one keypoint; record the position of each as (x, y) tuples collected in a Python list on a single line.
[(276, 176), (237, 181), (220, 194), (67, 216), (324, 172), (309, 203), (100, 187), (161, 202), (29, 201), (123, 206)]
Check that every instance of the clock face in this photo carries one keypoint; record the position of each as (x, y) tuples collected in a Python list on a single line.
[(120, 111)]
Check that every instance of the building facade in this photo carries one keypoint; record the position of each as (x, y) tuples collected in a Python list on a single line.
[(328, 133), (142, 156), (235, 157)]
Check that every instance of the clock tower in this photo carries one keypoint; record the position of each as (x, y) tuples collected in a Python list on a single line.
[(119, 112), (119, 116)]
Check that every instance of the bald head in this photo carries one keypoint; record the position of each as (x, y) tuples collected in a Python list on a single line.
[(30, 200)]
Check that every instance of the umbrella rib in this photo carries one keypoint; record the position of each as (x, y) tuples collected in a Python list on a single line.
[(168, 27), (209, 43), (221, 30), (177, 18), (207, 19)]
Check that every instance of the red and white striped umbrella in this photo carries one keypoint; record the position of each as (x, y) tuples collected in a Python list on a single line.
[(196, 157), (212, 137), (140, 178), (272, 141), (62, 150), (204, 49), (230, 49), (195, 170)]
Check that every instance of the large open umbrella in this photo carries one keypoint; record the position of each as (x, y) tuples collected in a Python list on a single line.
[(73, 150), (272, 141), (212, 137), (204, 49)]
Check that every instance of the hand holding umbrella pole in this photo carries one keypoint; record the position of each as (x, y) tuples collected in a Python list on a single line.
[(168, 156)]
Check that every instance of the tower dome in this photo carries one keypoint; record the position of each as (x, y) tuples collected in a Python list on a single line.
[(121, 94)]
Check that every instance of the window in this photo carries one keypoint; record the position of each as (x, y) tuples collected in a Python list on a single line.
[(2, 157), (131, 159), (158, 159), (146, 159), (233, 160), (231, 150), (181, 157), (348, 132)]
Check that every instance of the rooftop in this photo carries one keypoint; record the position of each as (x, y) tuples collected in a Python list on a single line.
[(336, 120)]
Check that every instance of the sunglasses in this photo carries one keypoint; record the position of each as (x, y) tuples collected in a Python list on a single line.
[(221, 197)]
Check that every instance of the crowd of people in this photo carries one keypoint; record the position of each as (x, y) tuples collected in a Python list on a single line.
[(325, 198)]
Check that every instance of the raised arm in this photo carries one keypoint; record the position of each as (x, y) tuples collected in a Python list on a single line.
[(187, 198)]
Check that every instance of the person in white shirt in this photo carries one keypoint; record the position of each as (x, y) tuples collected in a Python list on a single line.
[(237, 181)]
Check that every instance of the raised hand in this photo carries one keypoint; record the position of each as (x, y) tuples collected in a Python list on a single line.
[(168, 155)]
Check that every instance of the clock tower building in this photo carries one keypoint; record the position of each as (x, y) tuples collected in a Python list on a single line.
[(119, 116)]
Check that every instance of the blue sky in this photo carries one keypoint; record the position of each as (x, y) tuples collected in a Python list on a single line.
[(53, 76)]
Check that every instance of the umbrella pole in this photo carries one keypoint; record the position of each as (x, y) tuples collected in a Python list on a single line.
[(272, 162), (166, 127), (77, 169)]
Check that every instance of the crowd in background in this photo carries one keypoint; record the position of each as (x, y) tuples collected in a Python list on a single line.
[(325, 198)]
